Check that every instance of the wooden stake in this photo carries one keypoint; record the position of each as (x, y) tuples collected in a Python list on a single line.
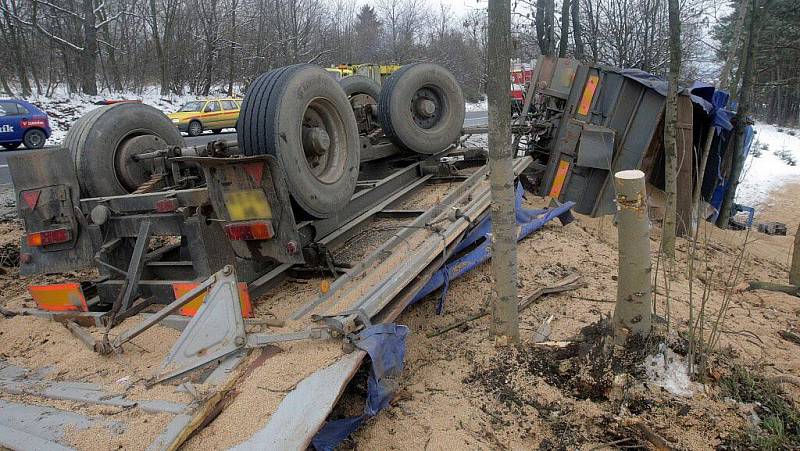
[(505, 317), (634, 290), (794, 271)]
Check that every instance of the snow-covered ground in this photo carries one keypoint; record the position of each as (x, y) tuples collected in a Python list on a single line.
[(64, 108), (771, 169), (478, 106)]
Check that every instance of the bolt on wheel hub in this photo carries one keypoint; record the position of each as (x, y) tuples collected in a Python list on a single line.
[(316, 140), (425, 107)]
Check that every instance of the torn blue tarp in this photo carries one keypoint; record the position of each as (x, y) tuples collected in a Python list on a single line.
[(386, 346), (714, 102), (528, 220)]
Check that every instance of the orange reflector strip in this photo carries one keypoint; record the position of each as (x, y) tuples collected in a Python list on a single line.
[(558, 182), (55, 236), (588, 94), (59, 298), (181, 288)]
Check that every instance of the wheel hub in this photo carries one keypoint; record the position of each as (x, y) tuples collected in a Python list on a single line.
[(324, 145), (425, 107), (316, 140), (132, 174)]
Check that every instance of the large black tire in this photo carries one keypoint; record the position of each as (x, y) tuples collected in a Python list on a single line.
[(11, 146), (426, 132), (276, 112), (359, 84), (96, 138), (34, 139)]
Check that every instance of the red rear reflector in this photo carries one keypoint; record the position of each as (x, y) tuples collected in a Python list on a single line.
[(55, 236), (167, 205), (252, 230), (31, 198)]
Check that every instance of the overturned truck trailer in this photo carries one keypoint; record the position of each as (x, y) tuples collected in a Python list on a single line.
[(299, 170), (587, 121)]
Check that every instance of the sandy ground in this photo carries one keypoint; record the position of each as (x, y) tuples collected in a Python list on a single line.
[(458, 391)]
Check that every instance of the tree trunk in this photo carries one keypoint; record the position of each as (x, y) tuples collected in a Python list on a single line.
[(725, 75), (670, 130), (540, 26), (794, 271), (634, 291), (577, 30), (549, 26), (4, 84), (88, 56), (564, 38), (746, 61), (545, 17), (505, 320), (724, 81), (231, 66)]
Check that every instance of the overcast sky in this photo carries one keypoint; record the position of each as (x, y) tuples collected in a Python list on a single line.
[(458, 7)]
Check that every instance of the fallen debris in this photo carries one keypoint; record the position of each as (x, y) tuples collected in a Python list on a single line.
[(790, 336), (771, 286), (772, 228), (568, 283)]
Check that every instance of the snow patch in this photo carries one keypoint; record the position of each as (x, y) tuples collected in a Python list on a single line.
[(769, 171), (670, 372), (477, 106)]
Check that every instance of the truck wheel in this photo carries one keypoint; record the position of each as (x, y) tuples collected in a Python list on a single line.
[(302, 116), (34, 139), (195, 128), (103, 141), (11, 146), (354, 85), (421, 108)]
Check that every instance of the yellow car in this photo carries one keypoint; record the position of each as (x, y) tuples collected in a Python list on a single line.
[(211, 114)]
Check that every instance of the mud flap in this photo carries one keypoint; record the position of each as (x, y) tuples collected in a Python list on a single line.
[(48, 197)]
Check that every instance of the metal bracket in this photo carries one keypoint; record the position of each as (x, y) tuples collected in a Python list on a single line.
[(216, 331)]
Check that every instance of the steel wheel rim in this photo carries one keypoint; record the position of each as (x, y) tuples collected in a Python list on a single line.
[(428, 96), (35, 139), (326, 166)]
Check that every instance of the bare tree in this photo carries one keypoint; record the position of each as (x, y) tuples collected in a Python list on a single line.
[(757, 11), (670, 131), (563, 41), (505, 317), (577, 30)]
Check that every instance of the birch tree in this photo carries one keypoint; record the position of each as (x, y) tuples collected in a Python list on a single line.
[(670, 129)]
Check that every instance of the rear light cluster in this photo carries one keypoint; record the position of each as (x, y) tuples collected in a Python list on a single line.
[(167, 205), (248, 231), (47, 237)]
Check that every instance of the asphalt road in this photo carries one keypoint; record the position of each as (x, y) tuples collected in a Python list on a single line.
[(471, 119)]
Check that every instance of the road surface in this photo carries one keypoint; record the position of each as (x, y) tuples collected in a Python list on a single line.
[(471, 119)]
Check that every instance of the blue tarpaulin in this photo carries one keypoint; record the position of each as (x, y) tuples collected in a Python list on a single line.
[(528, 221), (386, 346)]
